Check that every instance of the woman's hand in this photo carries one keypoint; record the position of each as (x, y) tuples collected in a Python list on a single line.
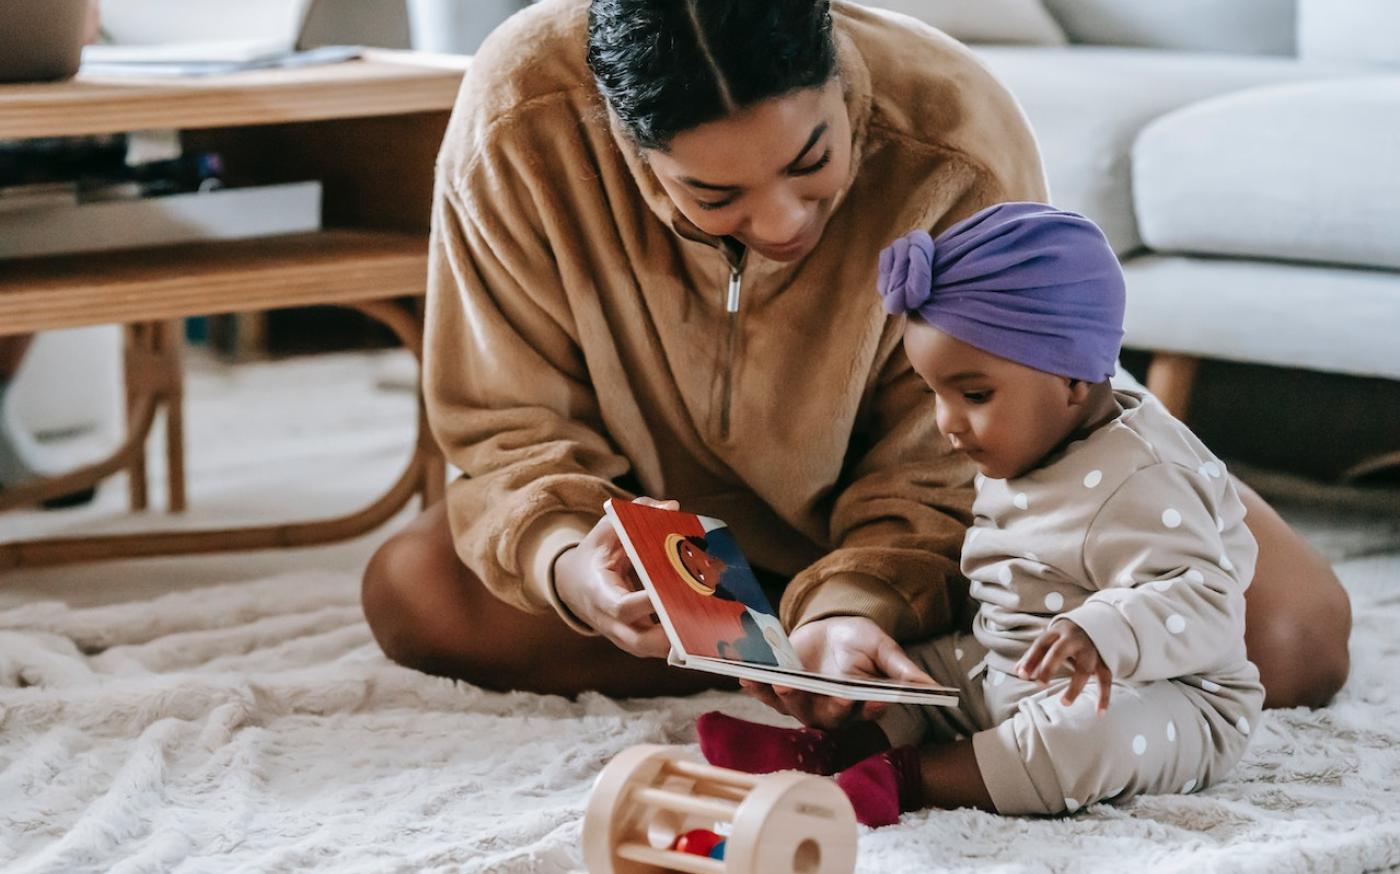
[(851, 646), (596, 582), (1061, 643)]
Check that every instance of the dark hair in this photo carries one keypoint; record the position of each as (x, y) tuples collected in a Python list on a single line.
[(666, 66)]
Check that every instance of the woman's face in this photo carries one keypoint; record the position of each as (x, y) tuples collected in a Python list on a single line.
[(766, 176)]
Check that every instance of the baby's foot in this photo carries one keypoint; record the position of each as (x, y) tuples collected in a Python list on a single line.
[(761, 749), (884, 786)]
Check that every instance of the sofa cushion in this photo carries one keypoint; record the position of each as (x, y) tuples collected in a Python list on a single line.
[(1303, 172), (1334, 319), (1365, 31), (1088, 103), (1023, 22), (1237, 26)]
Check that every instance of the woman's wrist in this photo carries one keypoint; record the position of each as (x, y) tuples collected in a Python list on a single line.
[(561, 607)]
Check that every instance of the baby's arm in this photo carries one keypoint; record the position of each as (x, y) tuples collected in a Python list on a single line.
[(1171, 560)]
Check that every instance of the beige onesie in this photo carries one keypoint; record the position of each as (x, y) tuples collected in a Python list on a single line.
[(1137, 535)]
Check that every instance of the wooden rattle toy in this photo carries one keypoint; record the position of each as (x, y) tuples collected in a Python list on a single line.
[(658, 808)]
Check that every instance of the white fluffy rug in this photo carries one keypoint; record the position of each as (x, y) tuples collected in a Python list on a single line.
[(256, 727)]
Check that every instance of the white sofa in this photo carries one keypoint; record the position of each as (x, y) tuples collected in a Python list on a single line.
[(1243, 156)]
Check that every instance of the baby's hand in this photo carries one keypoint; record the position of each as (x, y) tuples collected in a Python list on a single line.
[(1066, 642)]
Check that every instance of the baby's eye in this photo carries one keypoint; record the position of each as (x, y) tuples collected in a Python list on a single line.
[(977, 397)]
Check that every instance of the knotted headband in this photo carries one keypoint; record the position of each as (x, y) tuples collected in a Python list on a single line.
[(1023, 281)]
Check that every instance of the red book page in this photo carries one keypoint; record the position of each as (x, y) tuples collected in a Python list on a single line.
[(707, 624)]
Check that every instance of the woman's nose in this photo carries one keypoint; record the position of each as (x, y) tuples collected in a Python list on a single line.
[(779, 219)]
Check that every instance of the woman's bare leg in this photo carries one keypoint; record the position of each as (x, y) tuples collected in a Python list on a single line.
[(951, 778), (1297, 615), (430, 613)]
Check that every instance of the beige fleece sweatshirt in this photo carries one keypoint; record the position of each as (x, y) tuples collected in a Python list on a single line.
[(1135, 533), (577, 329)]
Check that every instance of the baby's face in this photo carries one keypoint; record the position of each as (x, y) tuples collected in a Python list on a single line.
[(1004, 415)]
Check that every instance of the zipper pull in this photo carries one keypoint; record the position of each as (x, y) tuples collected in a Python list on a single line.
[(736, 287)]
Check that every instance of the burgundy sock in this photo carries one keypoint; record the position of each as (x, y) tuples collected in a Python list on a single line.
[(761, 749), (884, 786)]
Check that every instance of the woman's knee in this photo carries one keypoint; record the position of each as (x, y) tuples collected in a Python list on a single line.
[(409, 600), (392, 607), (1298, 616), (429, 613), (1303, 654)]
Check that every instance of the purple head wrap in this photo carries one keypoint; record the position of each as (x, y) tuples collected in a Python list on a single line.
[(1023, 281)]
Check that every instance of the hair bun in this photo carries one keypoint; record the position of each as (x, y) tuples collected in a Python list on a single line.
[(906, 273)]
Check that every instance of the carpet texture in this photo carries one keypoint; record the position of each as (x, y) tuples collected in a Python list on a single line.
[(256, 726)]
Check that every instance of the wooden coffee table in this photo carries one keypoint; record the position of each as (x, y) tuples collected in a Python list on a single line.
[(369, 130)]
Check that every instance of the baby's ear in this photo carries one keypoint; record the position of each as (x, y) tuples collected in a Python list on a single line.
[(1078, 391)]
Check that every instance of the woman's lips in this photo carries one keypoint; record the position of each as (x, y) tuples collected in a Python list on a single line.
[(795, 247)]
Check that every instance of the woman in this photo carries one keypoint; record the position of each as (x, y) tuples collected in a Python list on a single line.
[(655, 235)]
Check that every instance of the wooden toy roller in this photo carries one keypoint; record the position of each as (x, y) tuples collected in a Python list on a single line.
[(648, 796)]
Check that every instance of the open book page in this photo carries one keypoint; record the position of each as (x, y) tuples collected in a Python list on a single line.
[(850, 688), (716, 615), (706, 595)]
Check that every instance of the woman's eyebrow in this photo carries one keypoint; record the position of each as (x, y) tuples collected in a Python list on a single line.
[(792, 165), (811, 141)]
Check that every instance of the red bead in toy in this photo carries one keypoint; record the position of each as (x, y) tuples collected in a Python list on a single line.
[(697, 842)]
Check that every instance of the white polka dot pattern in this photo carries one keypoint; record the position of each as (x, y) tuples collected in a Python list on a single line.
[(1171, 731), (1021, 501), (1226, 563), (1071, 805), (1190, 784), (1176, 623), (1093, 478), (1211, 469), (1162, 585), (1195, 576), (1139, 745), (1210, 686), (1054, 602), (1171, 517), (1243, 725)]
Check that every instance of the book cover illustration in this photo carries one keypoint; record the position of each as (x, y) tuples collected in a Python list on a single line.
[(711, 601)]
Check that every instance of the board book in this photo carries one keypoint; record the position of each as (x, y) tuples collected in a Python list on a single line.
[(716, 615)]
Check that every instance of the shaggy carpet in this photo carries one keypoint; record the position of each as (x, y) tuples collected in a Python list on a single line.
[(256, 726), (158, 716)]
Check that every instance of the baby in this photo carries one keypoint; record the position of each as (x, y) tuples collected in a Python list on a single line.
[(1108, 551)]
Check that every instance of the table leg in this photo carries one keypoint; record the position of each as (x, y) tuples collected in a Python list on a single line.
[(136, 360)]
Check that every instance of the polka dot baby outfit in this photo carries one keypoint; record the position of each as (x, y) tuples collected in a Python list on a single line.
[(1136, 534)]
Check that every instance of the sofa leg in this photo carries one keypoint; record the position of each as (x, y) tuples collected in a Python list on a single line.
[(1171, 377)]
